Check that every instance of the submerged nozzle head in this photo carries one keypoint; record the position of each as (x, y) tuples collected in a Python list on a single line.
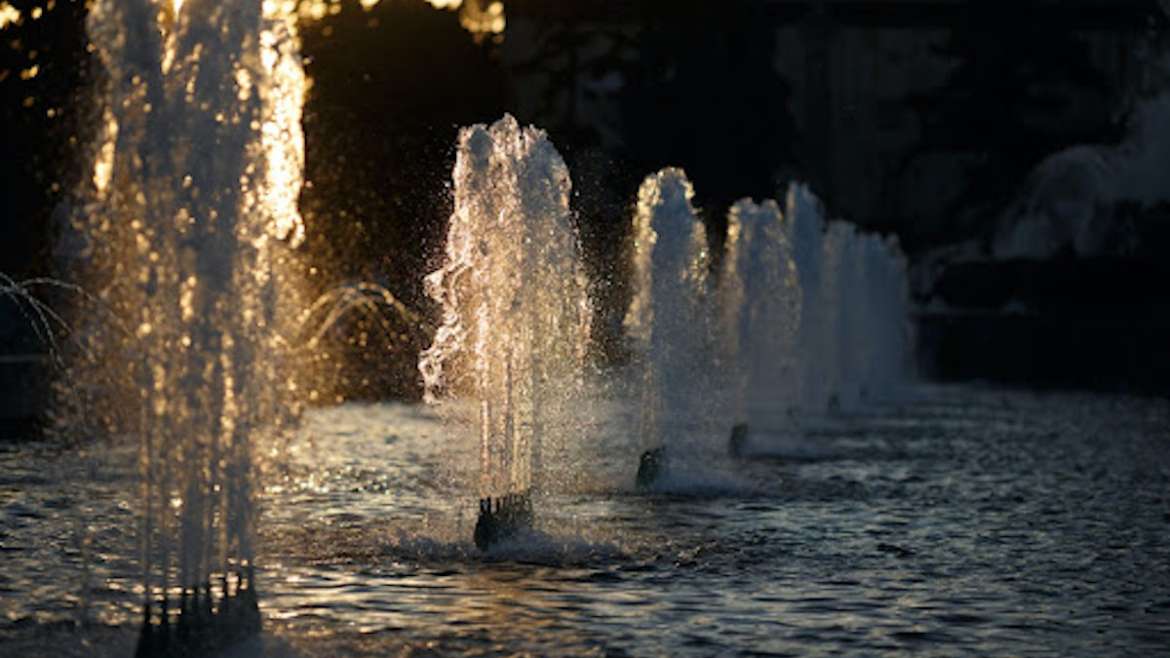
[(511, 514), (650, 467), (146, 636), (737, 444)]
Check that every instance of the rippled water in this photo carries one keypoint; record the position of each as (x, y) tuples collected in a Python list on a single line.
[(972, 522)]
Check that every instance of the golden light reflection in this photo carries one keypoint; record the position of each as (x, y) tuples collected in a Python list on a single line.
[(9, 15), (103, 165), (282, 135), (313, 10), (482, 18), (168, 21)]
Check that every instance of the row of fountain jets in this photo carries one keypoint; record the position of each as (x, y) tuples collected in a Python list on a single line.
[(803, 315), (186, 243)]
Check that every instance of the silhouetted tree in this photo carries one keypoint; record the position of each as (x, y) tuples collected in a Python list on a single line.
[(705, 95), (1023, 87), (45, 121)]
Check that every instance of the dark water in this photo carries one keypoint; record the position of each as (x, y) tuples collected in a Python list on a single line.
[(973, 522)]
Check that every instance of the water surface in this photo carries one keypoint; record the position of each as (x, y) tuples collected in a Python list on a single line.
[(974, 521)]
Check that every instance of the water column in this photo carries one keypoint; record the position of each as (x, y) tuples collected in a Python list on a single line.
[(188, 223), (806, 226), (666, 320), (866, 293), (760, 308), (888, 330), (512, 292), (843, 295), (854, 339)]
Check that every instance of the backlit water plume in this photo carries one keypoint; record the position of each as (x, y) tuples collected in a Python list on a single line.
[(667, 319), (512, 290), (853, 341), (760, 305), (186, 237)]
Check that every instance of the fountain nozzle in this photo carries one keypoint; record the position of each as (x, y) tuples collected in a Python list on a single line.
[(737, 444), (651, 466), (202, 626), (509, 516)]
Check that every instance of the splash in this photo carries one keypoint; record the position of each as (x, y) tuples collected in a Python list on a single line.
[(188, 231), (512, 290)]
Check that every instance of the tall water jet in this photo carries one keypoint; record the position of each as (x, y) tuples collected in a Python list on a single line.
[(868, 318), (190, 217), (515, 312), (806, 227), (842, 294), (854, 335), (888, 331), (760, 311), (666, 320)]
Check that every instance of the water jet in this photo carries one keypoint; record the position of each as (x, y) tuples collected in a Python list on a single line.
[(666, 320), (760, 306), (515, 314), (189, 223)]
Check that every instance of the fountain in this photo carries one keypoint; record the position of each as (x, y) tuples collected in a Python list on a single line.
[(666, 320), (805, 234), (853, 338), (868, 354), (842, 296), (186, 237), (515, 313), (760, 309), (888, 333)]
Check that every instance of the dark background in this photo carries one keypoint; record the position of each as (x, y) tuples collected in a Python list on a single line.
[(921, 119)]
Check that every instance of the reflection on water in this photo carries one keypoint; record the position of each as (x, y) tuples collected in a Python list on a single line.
[(978, 522)]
